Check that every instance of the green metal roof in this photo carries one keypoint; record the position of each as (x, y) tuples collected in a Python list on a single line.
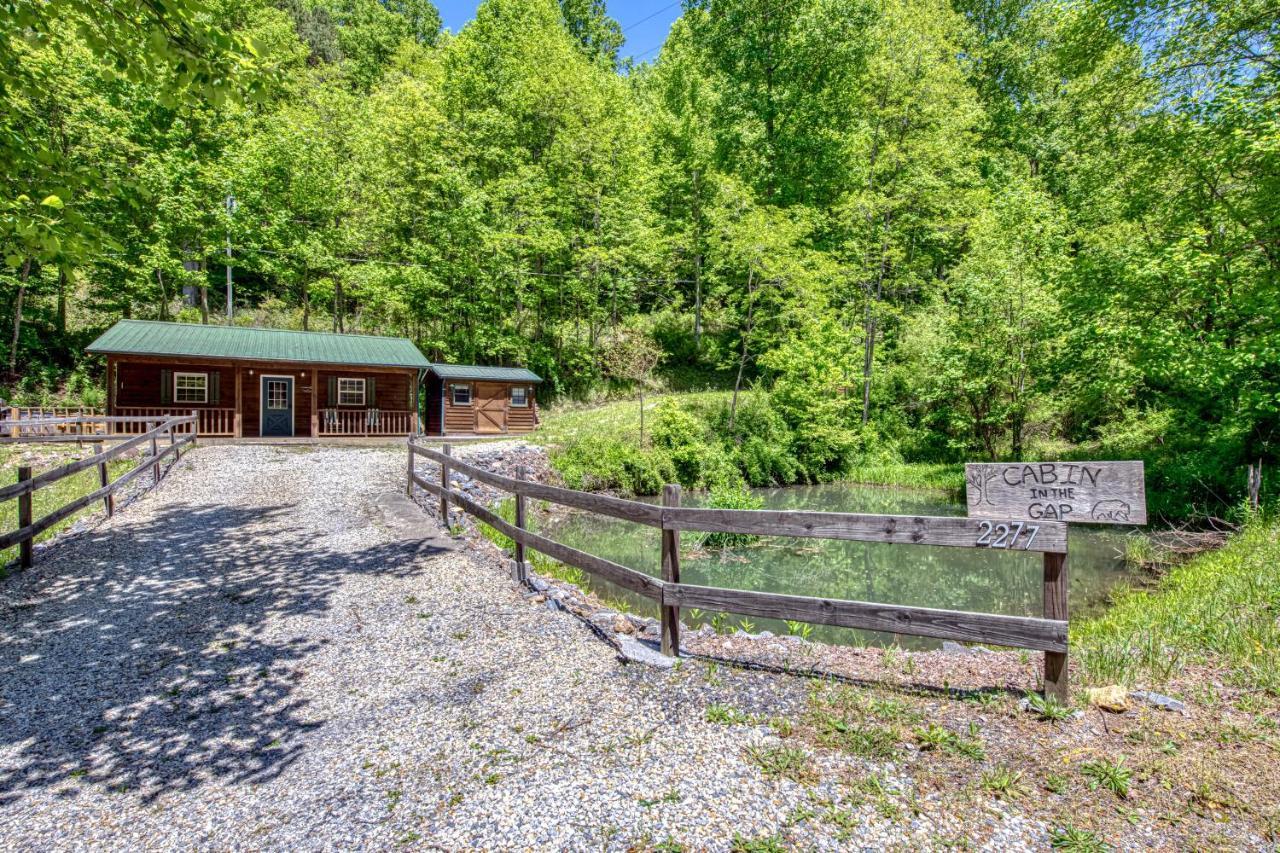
[(190, 340), (475, 371)]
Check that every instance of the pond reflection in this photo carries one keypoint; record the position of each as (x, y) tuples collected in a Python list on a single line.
[(974, 579)]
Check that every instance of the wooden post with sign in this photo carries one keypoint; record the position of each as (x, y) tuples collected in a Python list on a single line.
[(1055, 607), (1073, 492)]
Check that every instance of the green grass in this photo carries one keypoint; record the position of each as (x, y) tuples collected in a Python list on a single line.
[(55, 495), (949, 477), (562, 425), (1217, 609)]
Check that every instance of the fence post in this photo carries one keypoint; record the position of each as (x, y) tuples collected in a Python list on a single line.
[(108, 500), (444, 484), (670, 574), (195, 425), (408, 480), (1055, 607), (14, 429), (24, 516), (522, 574), (155, 453)]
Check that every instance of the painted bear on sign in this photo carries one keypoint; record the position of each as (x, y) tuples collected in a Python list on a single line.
[(1111, 510)]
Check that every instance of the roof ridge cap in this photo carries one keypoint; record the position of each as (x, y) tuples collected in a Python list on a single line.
[(264, 329)]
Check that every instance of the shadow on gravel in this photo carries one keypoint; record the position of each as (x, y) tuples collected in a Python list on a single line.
[(139, 657)]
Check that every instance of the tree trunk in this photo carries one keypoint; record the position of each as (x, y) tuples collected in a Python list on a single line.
[(868, 358), (62, 302), (742, 360), (337, 304), (869, 347), (164, 296), (306, 301), (697, 267), (642, 416), (17, 316)]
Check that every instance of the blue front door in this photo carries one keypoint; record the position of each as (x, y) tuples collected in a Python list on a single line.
[(277, 405)]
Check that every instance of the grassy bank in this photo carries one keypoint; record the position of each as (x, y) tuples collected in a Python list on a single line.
[(1217, 612), (55, 495), (693, 439)]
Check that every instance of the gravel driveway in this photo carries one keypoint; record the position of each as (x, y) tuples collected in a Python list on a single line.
[(273, 651)]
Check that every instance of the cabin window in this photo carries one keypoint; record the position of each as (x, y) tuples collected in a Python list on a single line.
[(350, 392), (461, 395), (519, 397), (190, 387)]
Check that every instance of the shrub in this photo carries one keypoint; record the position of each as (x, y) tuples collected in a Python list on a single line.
[(700, 462), (731, 497), (603, 462)]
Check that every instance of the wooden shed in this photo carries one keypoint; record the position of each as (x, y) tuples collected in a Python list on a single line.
[(468, 399), (248, 382)]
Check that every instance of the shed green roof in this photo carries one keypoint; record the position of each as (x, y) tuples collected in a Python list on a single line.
[(189, 340), (476, 371)]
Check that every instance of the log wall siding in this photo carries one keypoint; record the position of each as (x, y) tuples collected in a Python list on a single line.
[(463, 420), (392, 390), (251, 388), (137, 383)]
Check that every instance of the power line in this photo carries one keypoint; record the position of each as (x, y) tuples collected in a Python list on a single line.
[(768, 13), (376, 261), (651, 17)]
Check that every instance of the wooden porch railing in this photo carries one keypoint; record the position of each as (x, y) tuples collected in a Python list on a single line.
[(19, 421), (367, 422), (28, 529), (213, 422), (1048, 634)]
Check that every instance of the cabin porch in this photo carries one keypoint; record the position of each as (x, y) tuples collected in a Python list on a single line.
[(266, 400)]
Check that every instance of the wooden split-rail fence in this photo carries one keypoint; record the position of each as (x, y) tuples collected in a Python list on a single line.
[(1047, 634), (173, 433)]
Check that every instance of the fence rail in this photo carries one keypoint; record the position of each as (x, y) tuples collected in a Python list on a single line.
[(180, 431), (1047, 634), (21, 421)]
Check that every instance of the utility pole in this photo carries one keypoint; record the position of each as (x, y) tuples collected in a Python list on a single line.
[(231, 208)]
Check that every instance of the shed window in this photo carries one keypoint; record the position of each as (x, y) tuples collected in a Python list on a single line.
[(461, 395), (350, 392), (519, 396), (191, 387)]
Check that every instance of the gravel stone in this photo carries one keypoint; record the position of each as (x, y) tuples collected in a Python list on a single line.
[(276, 650)]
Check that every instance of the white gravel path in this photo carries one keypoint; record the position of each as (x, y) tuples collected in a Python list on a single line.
[(267, 652)]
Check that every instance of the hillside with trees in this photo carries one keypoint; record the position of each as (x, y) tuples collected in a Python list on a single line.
[(923, 231)]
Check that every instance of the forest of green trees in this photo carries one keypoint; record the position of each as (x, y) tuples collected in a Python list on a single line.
[(929, 230)]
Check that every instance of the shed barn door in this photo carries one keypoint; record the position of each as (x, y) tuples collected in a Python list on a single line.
[(491, 407)]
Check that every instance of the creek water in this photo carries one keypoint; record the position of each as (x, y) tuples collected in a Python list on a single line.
[(973, 579)]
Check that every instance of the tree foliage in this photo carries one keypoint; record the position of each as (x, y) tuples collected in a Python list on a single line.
[(996, 228)]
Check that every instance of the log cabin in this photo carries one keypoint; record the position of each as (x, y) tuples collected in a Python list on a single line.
[(469, 399), (249, 382), (262, 383)]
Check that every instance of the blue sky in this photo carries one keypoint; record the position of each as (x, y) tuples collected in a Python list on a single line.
[(644, 22)]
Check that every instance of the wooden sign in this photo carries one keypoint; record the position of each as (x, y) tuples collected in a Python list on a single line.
[(1075, 492)]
